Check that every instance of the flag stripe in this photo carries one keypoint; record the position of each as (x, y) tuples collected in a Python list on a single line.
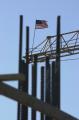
[(40, 24)]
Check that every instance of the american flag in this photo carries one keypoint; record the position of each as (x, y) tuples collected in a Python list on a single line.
[(40, 24)]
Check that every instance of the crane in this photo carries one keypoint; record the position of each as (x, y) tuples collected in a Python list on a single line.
[(69, 46)]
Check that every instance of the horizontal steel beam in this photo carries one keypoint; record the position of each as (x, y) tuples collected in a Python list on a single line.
[(66, 51), (36, 104), (76, 31), (8, 77)]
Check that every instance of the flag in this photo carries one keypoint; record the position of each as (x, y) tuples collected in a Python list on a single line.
[(40, 24)]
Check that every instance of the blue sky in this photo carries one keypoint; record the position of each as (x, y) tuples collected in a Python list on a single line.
[(9, 35)]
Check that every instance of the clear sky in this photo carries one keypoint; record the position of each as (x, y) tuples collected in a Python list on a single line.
[(9, 35)]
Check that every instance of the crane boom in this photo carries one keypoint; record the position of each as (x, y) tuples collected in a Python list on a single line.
[(69, 46)]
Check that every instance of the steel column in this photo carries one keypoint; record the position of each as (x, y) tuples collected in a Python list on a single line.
[(42, 89), (24, 109), (47, 80), (47, 100), (53, 84), (20, 62), (56, 98), (34, 84)]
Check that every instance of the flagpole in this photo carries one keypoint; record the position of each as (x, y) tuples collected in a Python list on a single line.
[(41, 24), (33, 38)]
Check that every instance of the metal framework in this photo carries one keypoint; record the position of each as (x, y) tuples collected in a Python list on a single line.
[(49, 52), (69, 46), (36, 104)]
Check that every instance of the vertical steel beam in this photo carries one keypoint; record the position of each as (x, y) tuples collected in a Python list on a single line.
[(23, 84), (27, 57), (27, 66), (47, 80), (47, 84), (42, 89), (20, 61), (24, 111), (56, 98), (34, 84), (20, 41), (53, 84)]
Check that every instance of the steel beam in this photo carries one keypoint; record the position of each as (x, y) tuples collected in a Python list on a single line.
[(24, 109), (42, 89), (23, 88), (34, 84), (12, 77), (36, 104), (47, 87), (20, 62), (47, 81), (57, 68), (53, 94)]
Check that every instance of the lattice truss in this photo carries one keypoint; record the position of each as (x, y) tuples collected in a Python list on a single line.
[(69, 45)]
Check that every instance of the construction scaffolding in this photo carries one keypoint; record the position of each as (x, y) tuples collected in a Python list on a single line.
[(50, 52)]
